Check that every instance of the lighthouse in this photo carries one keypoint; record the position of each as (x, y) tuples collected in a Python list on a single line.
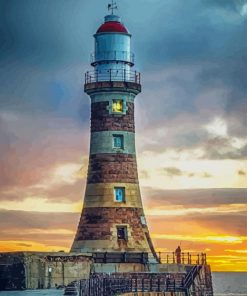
[(112, 253), (112, 218)]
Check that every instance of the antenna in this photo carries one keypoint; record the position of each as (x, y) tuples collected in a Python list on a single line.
[(112, 7)]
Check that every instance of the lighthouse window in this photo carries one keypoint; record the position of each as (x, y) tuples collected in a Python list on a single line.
[(118, 141), (117, 106), (119, 194), (122, 232)]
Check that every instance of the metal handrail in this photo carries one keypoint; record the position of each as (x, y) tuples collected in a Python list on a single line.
[(183, 258), (191, 276), (118, 284), (125, 56), (112, 75)]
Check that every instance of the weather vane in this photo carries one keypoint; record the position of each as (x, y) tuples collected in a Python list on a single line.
[(112, 6)]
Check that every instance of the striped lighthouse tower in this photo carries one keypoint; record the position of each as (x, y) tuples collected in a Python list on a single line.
[(112, 218)]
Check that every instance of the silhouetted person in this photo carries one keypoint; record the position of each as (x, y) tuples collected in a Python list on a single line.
[(178, 255)]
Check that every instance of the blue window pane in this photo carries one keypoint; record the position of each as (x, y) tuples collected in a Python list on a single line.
[(119, 194), (118, 141)]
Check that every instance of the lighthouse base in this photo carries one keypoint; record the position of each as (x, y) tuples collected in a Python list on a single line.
[(32, 270)]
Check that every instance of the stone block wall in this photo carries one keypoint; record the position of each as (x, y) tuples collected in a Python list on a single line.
[(27, 270), (110, 168), (101, 120), (41, 270), (98, 229)]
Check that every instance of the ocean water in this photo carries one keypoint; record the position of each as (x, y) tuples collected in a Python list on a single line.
[(225, 284), (230, 283)]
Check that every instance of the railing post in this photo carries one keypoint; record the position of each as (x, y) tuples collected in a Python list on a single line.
[(89, 286), (160, 257), (104, 286), (159, 284), (110, 74), (167, 284), (97, 75), (124, 75)]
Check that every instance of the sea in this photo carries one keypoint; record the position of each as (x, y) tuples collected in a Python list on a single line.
[(225, 284)]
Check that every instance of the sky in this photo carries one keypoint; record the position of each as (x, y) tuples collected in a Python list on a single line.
[(190, 122)]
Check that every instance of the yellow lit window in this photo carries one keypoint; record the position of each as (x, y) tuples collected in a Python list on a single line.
[(117, 106)]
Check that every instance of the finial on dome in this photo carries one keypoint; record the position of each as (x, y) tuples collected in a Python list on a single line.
[(112, 7)]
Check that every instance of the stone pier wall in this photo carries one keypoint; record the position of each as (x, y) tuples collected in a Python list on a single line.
[(26, 270), (41, 270)]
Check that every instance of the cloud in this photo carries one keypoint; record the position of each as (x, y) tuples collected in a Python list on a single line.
[(229, 5), (244, 10), (217, 128), (195, 197), (50, 42), (237, 251), (241, 173), (172, 172), (37, 220), (221, 224), (193, 73), (224, 148), (175, 172), (40, 158), (24, 245), (210, 239)]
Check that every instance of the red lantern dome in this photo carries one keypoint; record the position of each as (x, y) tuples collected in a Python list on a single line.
[(112, 24), (112, 27)]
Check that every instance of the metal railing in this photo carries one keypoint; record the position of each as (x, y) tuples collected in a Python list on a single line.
[(124, 56), (182, 258), (121, 283), (121, 75), (190, 277), (101, 284), (135, 257), (117, 284)]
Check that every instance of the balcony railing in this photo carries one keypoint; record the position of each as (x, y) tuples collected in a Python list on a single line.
[(121, 75), (123, 56), (182, 258)]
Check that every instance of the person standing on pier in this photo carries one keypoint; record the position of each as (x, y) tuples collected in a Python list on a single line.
[(178, 255)]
